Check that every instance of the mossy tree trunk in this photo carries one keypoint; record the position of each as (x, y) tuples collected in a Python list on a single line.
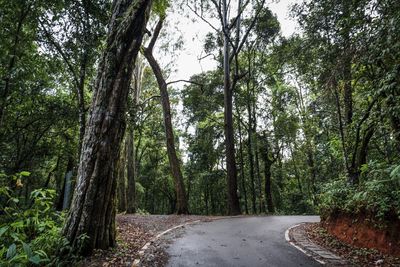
[(93, 206)]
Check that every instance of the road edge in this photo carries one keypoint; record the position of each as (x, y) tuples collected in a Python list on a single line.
[(136, 262), (296, 237)]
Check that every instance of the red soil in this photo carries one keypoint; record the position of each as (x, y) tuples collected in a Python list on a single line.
[(359, 231)]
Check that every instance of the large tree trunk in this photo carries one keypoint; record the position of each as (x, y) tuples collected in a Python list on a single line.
[(93, 206), (233, 200), (182, 204)]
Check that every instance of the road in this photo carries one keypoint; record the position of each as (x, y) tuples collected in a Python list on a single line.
[(242, 241)]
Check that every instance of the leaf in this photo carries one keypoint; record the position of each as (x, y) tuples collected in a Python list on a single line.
[(35, 259), (17, 224), (12, 250), (3, 230), (395, 173), (27, 249), (25, 173)]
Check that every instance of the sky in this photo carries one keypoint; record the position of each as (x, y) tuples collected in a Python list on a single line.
[(186, 61)]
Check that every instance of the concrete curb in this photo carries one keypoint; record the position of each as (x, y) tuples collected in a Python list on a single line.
[(296, 237)]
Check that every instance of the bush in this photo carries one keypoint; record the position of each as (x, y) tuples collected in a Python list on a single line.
[(377, 195), (31, 235)]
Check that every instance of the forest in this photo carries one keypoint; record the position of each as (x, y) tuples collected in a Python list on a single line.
[(92, 125)]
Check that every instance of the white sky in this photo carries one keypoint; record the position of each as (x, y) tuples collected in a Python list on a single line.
[(186, 61)]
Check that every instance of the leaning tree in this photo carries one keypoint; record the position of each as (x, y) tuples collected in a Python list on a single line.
[(93, 206)]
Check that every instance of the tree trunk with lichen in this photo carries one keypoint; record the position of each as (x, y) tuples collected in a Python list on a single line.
[(92, 211)]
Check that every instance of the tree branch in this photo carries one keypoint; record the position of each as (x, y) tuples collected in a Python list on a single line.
[(155, 35)]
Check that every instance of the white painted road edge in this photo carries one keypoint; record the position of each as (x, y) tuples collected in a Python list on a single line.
[(136, 262), (287, 237)]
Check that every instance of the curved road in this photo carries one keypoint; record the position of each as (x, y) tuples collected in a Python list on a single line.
[(242, 241)]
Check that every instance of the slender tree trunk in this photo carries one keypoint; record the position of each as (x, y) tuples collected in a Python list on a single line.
[(81, 104), (268, 191), (313, 173), (121, 185), (132, 166), (346, 68), (233, 200), (267, 171), (257, 169), (93, 206), (131, 196), (65, 195), (241, 162), (296, 171), (251, 161), (182, 204)]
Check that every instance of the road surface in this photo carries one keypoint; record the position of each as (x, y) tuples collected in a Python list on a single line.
[(243, 241)]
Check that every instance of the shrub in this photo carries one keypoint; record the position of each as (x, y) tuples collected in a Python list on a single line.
[(31, 235), (377, 195)]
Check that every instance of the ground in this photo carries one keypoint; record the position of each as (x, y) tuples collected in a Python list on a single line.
[(133, 232), (356, 256), (223, 241)]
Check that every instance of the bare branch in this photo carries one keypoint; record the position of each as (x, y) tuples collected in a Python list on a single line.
[(202, 18), (250, 27), (186, 81)]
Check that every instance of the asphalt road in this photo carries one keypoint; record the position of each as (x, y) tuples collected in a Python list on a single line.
[(246, 241)]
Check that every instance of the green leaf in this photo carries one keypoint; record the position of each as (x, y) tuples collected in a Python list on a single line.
[(12, 250), (35, 259), (25, 173), (27, 249), (17, 224), (395, 173), (3, 230)]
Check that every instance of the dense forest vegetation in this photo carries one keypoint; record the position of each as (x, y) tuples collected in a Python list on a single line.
[(91, 125)]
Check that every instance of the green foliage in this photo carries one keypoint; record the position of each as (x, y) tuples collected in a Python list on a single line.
[(160, 7), (31, 235), (378, 195)]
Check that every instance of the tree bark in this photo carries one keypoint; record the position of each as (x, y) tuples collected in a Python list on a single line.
[(182, 204), (93, 206), (131, 196), (267, 170), (257, 169), (268, 191), (121, 184), (241, 162), (250, 157), (233, 200)]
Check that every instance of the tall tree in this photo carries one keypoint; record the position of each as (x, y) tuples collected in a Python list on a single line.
[(182, 203), (93, 206)]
